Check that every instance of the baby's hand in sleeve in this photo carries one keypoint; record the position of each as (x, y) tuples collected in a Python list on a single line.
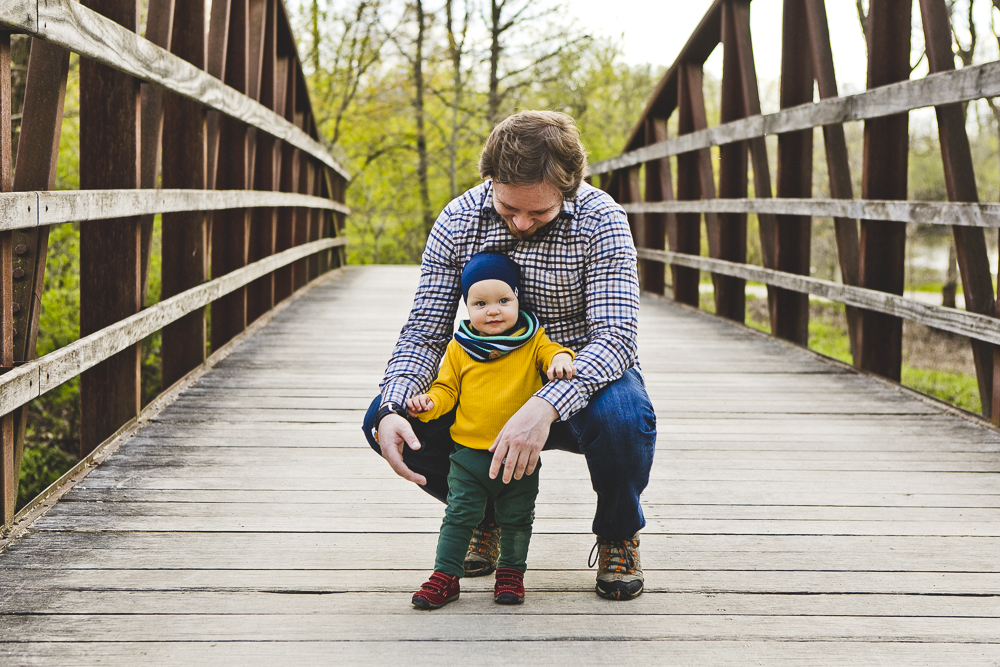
[(561, 367), (418, 404)]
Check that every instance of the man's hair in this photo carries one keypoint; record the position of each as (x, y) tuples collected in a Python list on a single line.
[(534, 146)]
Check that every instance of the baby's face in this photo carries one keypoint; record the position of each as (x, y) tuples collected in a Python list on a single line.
[(492, 307)]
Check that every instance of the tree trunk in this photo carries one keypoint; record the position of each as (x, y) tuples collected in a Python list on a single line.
[(495, 31), (419, 112)]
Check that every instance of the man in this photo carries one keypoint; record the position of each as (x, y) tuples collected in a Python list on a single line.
[(579, 276)]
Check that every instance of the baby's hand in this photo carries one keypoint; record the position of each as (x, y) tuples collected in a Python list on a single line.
[(418, 404), (561, 367)]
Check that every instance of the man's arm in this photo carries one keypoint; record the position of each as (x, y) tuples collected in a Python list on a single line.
[(612, 288)]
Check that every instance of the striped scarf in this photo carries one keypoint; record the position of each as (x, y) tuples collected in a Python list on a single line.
[(488, 348)]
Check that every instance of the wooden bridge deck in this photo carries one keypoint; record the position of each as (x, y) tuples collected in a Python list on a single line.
[(798, 513)]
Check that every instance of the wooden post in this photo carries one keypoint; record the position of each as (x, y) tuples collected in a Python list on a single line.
[(688, 234), (159, 30), (837, 164), (658, 188), (315, 220), (960, 180), (230, 233), (9, 473), (109, 249), (267, 171), (302, 220), (730, 298), (794, 233), (883, 244), (185, 235), (290, 161), (41, 124)]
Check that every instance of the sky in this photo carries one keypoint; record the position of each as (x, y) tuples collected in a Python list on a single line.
[(654, 31)]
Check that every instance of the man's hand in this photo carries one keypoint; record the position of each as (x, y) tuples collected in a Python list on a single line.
[(521, 439), (393, 433)]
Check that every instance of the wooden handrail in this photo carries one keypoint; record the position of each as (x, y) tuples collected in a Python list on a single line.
[(923, 212), (34, 378), (964, 85), (24, 210), (72, 26)]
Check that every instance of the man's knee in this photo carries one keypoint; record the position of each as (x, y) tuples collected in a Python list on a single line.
[(620, 414)]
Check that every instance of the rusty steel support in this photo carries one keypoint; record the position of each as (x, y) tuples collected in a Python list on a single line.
[(9, 474), (110, 286), (230, 228), (793, 234), (837, 164), (218, 50), (883, 244), (687, 236), (315, 220), (730, 296), (267, 173), (658, 188), (629, 191), (337, 187), (300, 268), (159, 30), (960, 181), (185, 235)]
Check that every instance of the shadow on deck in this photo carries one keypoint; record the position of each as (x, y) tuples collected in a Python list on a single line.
[(798, 512)]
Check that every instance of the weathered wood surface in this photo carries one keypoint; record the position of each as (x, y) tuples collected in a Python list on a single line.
[(968, 83), (797, 513), (75, 28), (973, 325)]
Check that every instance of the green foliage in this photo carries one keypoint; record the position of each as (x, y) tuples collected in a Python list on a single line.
[(959, 389), (41, 466)]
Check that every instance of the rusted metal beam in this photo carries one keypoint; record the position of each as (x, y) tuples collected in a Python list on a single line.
[(883, 244), (960, 181), (290, 162), (687, 235), (185, 235), (793, 234), (109, 250), (730, 292)]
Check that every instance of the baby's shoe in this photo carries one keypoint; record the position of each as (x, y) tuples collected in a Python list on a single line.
[(509, 586), (436, 592)]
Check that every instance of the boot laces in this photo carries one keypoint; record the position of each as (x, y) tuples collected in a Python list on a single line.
[(613, 554)]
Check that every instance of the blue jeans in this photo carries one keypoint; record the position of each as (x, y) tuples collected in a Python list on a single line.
[(616, 432)]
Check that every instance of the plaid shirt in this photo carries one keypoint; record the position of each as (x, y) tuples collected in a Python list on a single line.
[(578, 274)]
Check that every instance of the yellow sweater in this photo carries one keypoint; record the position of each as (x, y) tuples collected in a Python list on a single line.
[(488, 393)]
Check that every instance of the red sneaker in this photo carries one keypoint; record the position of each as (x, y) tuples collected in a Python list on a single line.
[(436, 592), (509, 586)]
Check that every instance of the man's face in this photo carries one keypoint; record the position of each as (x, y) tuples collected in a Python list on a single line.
[(526, 208)]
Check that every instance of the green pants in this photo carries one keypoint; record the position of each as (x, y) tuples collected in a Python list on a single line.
[(469, 486)]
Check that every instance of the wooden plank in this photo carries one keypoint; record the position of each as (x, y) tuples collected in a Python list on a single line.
[(35, 378), (921, 212), (109, 251), (968, 324), (658, 187), (74, 27), (9, 474), (22, 15), (793, 234), (964, 85)]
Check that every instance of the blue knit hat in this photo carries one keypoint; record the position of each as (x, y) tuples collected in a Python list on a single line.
[(490, 266)]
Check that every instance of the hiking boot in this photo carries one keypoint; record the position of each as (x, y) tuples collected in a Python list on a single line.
[(484, 550), (436, 592), (509, 586), (619, 573)]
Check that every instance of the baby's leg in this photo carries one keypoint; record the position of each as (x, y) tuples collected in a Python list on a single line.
[(466, 507), (515, 510)]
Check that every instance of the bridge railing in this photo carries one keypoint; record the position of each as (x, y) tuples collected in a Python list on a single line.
[(872, 264), (216, 135)]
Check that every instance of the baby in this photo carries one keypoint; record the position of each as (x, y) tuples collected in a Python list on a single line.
[(490, 369)]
